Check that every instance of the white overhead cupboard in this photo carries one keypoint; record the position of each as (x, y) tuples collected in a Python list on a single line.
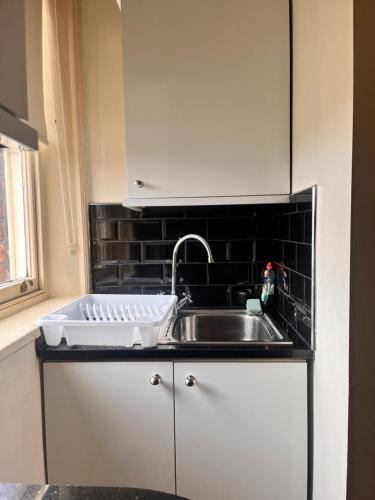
[(207, 430), (207, 100), (13, 83), (21, 85)]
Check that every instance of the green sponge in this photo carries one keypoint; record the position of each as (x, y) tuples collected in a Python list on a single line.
[(253, 307)]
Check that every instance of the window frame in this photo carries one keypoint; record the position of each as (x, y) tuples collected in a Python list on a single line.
[(27, 287)]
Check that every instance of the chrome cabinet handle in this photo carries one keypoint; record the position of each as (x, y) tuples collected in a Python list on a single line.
[(190, 381), (139, 183), (155, 379)]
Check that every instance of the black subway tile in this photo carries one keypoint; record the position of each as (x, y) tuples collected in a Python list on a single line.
[(241, 251), (268, 250), (297, 227), (291, 333), (105, 230), (210, 296), (252, 223), (161, 252), (208, 211), (231, 229), (279, 302), (290, 255), (308, 292), (118, 252), (162, 212), (113, 212), (289, 310), (282, 227), (278, 251), (155, 290), (303, 200), (304, 324), (258, 271), (140, 230), (141, 274), (243, 211), (303, 206), (308, 227), (126, 290), (297, 286), (187, 274), (195, 252), (267, 209), (304, 259), (240, 294), (265, 227), (177, 229), (291, 207), (105, 275), (282, 278), (221, 274)]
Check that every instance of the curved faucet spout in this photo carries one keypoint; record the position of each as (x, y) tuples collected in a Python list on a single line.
[(175, 252)]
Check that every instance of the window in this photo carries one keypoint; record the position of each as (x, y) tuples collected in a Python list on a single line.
[(18, 241)]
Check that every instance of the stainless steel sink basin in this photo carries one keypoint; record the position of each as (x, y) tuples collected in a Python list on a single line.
[(224, 326)]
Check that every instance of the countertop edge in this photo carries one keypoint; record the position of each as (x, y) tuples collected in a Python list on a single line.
[(167, 353)]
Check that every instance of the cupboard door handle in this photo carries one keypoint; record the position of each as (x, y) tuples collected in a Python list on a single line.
[(139, 183), (190, 381), (155, 379)]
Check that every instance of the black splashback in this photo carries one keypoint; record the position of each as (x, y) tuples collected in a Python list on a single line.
[(293, 300), (131, 252)]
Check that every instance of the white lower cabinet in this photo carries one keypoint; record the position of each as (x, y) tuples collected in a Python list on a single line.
[(239, 431), (107, 425)]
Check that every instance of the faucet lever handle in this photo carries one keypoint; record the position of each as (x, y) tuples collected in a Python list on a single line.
[(187, 295)]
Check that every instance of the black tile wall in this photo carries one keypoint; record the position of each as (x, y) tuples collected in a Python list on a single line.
[(141, 273), (195, 252), (178, 228), (231, 229), (105, 252), (157, 252), (142, 230), (132, 252), (293, 298)]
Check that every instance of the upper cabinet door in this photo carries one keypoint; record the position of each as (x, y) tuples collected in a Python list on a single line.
[(207, 96), (13, 83)]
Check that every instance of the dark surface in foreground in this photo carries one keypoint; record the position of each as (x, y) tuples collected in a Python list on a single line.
[(10, 491)]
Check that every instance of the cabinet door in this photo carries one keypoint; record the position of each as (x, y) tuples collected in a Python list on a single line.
[(241, 431), (107, 425), (13, 86), (206, 98)]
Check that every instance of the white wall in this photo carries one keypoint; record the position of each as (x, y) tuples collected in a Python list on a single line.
[(21, 437), (322, 154), (104, 100)]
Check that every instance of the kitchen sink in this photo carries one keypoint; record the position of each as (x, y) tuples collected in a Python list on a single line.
[(224, 326)]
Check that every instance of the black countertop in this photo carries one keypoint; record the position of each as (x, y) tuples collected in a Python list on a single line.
[(9, 491), (169, 352)]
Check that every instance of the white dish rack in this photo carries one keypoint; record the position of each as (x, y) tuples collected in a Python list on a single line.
[(110, 320)]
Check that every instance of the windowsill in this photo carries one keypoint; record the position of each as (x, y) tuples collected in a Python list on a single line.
[(21, 303), (19, 329)]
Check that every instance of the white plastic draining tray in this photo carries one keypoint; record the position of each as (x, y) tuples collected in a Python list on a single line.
[(110, 320)]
